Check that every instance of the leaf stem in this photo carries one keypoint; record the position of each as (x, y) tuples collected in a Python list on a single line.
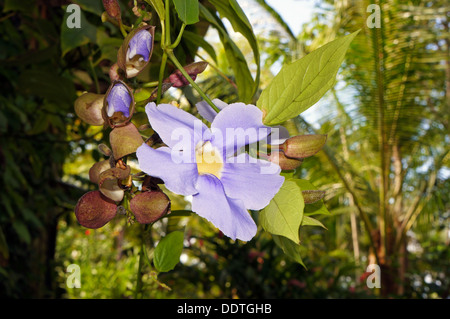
[(150, 84), (178, 39), (167, 40), (161, 76)]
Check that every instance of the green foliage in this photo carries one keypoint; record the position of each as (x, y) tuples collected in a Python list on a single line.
[(187, 10), (283, 216), (301, 84), (236, 59), (72, 38), (167, 252)]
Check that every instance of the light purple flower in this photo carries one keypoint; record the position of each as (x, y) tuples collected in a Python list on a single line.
[(202, 162), (278, 135), (119, 100)]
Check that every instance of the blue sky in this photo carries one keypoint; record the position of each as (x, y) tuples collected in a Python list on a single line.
[(294, 12)]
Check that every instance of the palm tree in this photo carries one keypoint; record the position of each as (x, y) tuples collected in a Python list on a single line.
[(388, 143)]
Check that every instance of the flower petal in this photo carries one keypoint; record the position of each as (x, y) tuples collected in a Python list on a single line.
[(177, 128), (178, 176), (238, 125), (227, 214), (278, 135), (207, 112), (251, 180)]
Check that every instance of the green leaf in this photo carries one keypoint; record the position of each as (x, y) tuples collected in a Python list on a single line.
[(187, 10), (26, 6), (309, 221), (199, 41), (291, 249), (233, 12), (158, 5), (22, 231), (95, 7), (40, 82), (168, 251), (72, 38), (301, 84), (236, 59), (317, 208), (283, 216)]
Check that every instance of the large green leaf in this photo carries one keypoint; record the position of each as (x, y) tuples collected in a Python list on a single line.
[(301, 84), (187, 10), (168, 251), (198, 41), (72, 38), (309, 221), (236, 59), (283, 216)]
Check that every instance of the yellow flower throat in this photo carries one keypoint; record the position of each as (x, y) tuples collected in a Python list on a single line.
[(209, 160)]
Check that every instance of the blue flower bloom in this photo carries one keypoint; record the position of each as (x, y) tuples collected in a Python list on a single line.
[(119, 100), (206, 163)]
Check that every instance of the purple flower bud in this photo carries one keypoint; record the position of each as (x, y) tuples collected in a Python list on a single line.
[(140, 44), (119, 100), (118, 104), (136, 50)]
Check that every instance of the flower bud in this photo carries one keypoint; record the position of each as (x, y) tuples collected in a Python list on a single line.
[(118, 104), (114, 72), (284, 162), (97, 169), (94, 210), (303, 145), (112, 8), (88, 107), (109, 182), (177, 78), (104, 149), (125, 140), (136, 50), (312, 196), (148, 207)]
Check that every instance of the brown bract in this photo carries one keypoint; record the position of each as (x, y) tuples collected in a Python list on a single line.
[(94, 210), (148, 207), (302, 146), (109, 182), (88, 107), (284, 162), (125, 140)]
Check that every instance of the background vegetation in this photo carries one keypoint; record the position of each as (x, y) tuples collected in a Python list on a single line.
[(385, 166)]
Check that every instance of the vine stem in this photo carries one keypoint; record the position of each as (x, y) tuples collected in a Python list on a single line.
[(139, 282), (192, 82)]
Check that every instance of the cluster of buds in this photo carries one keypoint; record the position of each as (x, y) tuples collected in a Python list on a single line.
[(115, 109), (291, 153)]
